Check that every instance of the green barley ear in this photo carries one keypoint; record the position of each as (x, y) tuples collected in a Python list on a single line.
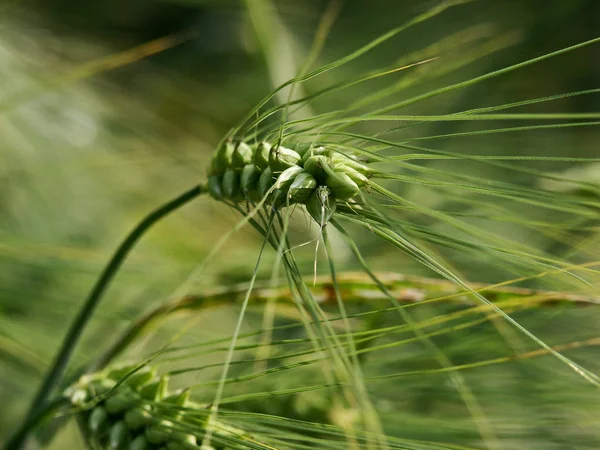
[(322, 180), (244, 173), (141, 414)]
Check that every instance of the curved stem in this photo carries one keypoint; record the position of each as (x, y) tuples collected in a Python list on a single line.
[(407, 290), (70, 341)]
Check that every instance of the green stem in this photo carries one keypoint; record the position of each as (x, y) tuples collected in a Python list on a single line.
[(70, 341)]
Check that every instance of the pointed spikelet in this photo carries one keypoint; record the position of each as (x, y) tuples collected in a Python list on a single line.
[(222, 158), (240, 172), (249, 181), (139, 415), (241, 156), (261, 155), (302, 187), (281, 158)]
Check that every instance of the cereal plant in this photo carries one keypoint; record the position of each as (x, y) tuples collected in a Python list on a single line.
[(424, 274)]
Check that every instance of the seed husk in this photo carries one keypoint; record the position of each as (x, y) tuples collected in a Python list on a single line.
[(214, 187), (341, 185), (280, 158), (141, 377), (310, 150), (98, 419), (315, 165), (155, 390), (302, 187), (160, 432), (223, 158), (179, 398), (242, 155), (118, 436), (358, 177), (249, 180), (265, 182), (286, 178), (231, 183), (139, 443), (121, 401), (261, 155), (138, 417), (183, 437)]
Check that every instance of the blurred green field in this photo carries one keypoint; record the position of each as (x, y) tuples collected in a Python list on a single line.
[(109, 109)]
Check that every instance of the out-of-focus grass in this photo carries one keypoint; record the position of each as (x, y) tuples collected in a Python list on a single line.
[(82, 158)]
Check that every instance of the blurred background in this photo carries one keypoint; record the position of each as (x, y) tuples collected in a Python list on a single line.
[(108, 109)]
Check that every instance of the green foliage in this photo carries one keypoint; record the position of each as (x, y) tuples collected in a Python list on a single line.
[(131, 409), (454, 139)]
